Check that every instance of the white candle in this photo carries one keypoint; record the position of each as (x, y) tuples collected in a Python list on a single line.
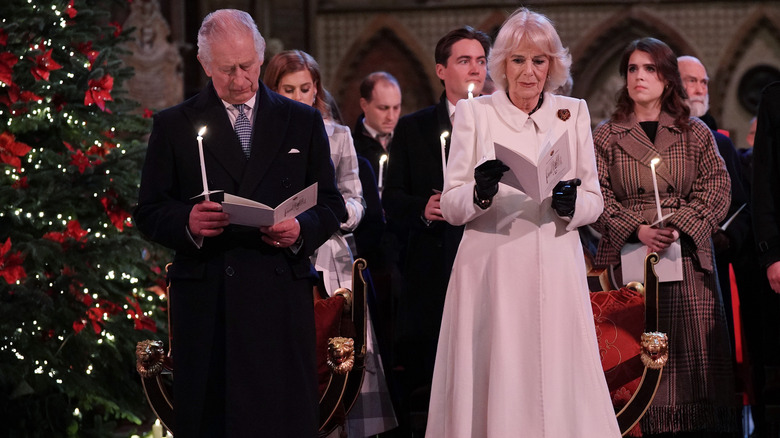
[(443, 139), (157, 429), (653, 162), (382, 161), (471, 89), (202, 163)]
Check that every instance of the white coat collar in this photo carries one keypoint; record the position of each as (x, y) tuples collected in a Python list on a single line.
[(515, 118)]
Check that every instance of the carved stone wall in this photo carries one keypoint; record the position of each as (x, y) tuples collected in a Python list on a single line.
[(737, 41), (730, 37), (158, 80)]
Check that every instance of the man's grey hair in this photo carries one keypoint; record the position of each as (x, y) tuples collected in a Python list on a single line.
[(226, 24)]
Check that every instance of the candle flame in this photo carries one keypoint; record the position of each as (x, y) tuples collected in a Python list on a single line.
[(445, 134), (202, 131), (655, 161), (382, 159), (471, 87)]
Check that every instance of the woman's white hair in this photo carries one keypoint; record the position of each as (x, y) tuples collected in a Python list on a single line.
[(536, 28), (226, 24)]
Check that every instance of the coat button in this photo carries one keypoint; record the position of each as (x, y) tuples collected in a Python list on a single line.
[(280, 270), (670, 189), (286, 183), (230, 271), (641, 190)]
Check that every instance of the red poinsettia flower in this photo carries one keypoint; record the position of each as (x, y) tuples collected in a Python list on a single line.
[(15, 95), (80, 160), (141, 321), (3, 37), (102, 150), (119, 217), (7, 62), (21, 183), (11, 263), (86, 50), (99, 91), (105, 148), (70, 10), (11, 150), (43, 66), (79, 325), (94, 317), (117, 28), (72, 231), (109, 307), (148, 113)]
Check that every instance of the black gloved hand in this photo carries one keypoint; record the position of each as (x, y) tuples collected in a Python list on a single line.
[(564, 197), (487, 175)]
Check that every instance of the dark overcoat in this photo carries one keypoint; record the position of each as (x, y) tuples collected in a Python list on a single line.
[(766, 177), (413, 175), (242, 313)]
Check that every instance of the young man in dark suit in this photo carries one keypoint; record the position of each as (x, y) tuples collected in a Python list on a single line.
[(241, 297), (411, 199)]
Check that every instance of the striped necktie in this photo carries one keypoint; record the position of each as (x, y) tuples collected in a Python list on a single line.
[(243, 129)]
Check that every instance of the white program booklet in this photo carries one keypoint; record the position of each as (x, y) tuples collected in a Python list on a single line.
[(244, 211), (536, 179), (668, 268)]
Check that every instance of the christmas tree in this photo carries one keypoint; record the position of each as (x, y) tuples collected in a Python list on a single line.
[(80, 286)]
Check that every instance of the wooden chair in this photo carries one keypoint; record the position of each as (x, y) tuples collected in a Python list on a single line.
[(633, 350), (341, 347)]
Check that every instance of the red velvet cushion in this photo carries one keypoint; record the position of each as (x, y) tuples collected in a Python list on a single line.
[(327, 319), (620, 320)]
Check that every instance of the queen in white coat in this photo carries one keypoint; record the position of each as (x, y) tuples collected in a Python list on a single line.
[(517, 353)]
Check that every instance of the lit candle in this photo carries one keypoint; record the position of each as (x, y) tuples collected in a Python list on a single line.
[(471, 90), (202, 163), (443, 140), (653, 162), (157, 429), (382, 160)]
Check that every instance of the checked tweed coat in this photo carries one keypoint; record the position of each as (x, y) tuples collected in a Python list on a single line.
[(696, 389)]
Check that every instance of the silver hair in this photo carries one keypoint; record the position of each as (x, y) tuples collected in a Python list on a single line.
[(536, 28), (226, 24)]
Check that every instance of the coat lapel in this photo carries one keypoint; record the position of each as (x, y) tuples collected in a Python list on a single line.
[(220, 141), (270, 125), (444, 123), (634, 141)]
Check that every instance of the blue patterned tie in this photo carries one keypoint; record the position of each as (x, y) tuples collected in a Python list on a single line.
[(243, 129)]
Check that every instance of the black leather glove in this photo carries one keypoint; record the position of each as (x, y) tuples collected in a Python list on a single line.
[(564, 197), (487, 175)]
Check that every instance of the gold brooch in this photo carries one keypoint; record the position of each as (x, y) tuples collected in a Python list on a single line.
[(564, 114)]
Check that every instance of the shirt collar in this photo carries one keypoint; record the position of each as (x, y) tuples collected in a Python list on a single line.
[(450, 109), (250, 104), (371, 131)]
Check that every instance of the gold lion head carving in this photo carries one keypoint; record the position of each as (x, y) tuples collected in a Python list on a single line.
[(150, 358), (341, 354), (655, 349)]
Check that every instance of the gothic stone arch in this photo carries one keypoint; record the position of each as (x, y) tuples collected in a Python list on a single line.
[(385, 45), (596, 58)]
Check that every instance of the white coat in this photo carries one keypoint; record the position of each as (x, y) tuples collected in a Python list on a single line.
[(517, 353), (334, 258)]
